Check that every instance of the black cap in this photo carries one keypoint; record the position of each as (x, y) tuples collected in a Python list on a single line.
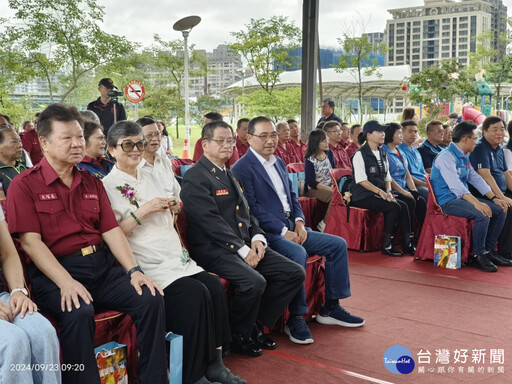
[(107, 83), (373, 125)]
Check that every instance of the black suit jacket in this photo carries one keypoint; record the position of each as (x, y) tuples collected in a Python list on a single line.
[(218, 218)]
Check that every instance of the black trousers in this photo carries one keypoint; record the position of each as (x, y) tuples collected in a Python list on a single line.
[(418, 205), (111, 289), (395, 212), (261, 293), (505, 239), (196, 308)]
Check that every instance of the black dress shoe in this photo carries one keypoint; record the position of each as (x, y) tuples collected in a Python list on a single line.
[(498, 259), (483, 263), (409, 249), (262, 340), (390, 251), (245, 346)]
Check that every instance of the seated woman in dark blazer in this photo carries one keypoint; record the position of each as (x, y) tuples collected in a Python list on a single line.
[(372, 188), (403, 185)]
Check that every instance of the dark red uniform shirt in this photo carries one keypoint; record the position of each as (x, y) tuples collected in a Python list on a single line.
[(287, 155), (198, 152), (30, 143), (298, 148), (351, 149), (340, 156), (67, 219), (241, 147)]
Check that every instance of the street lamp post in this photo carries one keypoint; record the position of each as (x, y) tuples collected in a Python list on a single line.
[(185, 25)]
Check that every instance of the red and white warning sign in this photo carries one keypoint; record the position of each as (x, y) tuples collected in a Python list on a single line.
[(134, 91)]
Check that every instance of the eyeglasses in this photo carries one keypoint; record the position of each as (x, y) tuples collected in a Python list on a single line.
[(228, 142), (152, 136), (128, 145), (266, 136)]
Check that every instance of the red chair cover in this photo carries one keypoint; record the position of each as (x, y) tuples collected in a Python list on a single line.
[(295, 167), (437, 223), (177, 163), (363, 231)]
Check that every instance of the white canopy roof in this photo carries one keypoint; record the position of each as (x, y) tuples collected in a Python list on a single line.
[(385, 83)]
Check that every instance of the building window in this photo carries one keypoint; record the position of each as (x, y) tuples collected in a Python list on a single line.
[(463, 33), (446, 41), (445, 48), (445, 54), (463, 61), (464, 18), (416, 43), (463, 40), (399, 38), (415, 63), (399, 51), (463, 46), (399, 31), (399, 45), (415, 50), (463, 53), (416, 30), (446, 20), (399, 58), (416, 23), (416, 37), (463, 26), (415, 57), (446, 34), (400, 25)]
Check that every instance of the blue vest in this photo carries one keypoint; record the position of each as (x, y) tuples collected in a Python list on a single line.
[(441, 190), (397, 167), (416, 168)]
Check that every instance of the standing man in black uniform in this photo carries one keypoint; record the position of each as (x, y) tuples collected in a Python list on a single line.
[(104, 105)]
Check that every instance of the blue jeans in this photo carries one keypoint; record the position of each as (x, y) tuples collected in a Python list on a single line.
[(334, 248), (486, 230), (31, 340)]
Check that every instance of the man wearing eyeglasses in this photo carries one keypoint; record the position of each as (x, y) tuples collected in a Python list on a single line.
[(64, 219), (224, 238), (334, 133), (275, 205)]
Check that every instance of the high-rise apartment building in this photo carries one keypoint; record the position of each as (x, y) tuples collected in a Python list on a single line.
[(224, 69), (374, 38), (422, 36)]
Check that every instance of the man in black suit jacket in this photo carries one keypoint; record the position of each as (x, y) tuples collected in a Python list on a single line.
[(224, 238)]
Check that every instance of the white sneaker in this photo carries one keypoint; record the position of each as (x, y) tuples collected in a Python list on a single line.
[(321, 226)]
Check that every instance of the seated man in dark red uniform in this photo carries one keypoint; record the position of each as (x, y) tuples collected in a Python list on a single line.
[(63, 218)]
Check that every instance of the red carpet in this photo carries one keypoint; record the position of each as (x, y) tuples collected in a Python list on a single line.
[(404, 302)]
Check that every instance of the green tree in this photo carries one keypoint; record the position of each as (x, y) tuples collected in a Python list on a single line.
[(280, 104), (442, 83), (61, 37), (499, 71), (205, 104), (166, 59), (265, 44), (357, 55)]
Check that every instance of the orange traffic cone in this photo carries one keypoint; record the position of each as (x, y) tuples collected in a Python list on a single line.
[(185, 154)]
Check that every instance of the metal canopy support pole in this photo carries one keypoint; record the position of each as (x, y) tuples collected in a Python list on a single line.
[(309, 65)]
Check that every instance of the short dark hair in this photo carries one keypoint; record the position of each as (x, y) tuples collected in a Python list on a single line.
[(330, 102), (121, 129), (289, 121), (490, 120), (27, 122), (89, 128), (146, 120), (462, 130), (214, 116), (208, 130), (56, 112), (241, 121), (330, 124), (390, 132), (89, 115), (432, 124), (4, 129), (316, 136), (256, 120), (406, 123), (353, 128), (408, 113)]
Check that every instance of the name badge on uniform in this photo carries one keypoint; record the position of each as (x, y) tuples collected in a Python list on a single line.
[(90, 196), (48, 196), (373, 169), (221, 192)]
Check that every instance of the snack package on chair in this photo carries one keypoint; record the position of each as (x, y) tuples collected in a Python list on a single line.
[(447, 251), (175, 358), (111, 359)]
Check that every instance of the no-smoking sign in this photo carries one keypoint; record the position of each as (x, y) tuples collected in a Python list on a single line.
[(134, 91)]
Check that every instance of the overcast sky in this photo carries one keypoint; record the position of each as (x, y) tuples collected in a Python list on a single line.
[(139, 20)]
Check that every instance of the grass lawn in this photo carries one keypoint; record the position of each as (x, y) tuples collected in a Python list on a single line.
[(178, 143)]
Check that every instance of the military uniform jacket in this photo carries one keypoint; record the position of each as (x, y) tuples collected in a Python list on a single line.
[(218, 218)]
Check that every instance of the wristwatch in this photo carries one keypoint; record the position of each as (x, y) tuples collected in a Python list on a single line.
[(134, 269), (494, 197), (22, 290)]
